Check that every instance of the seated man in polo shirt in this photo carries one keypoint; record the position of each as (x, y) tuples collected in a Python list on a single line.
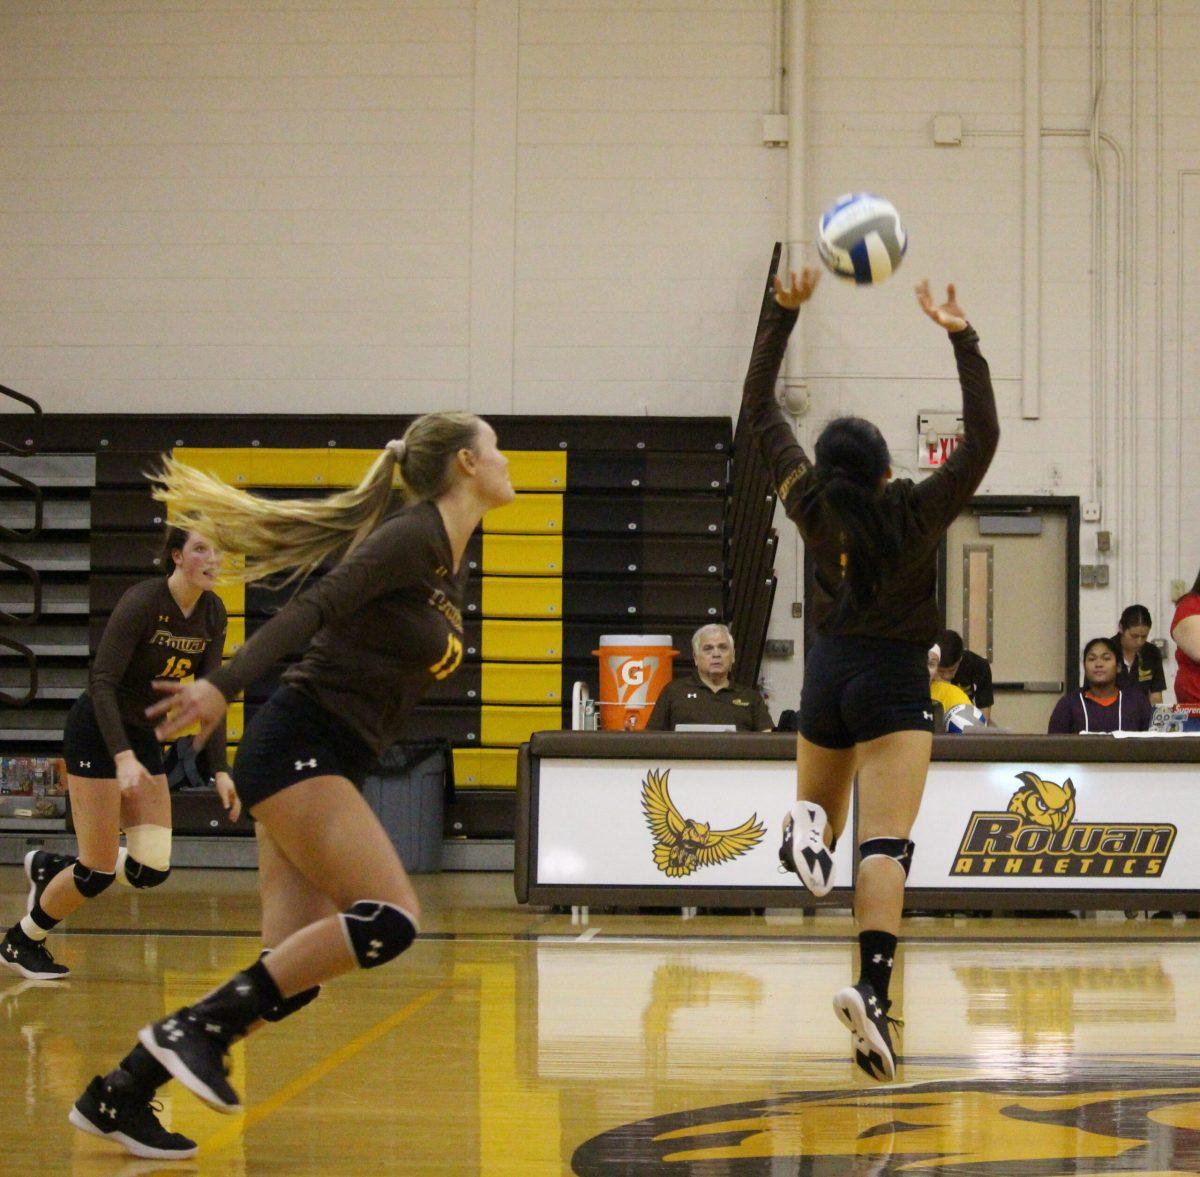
[(706, 695)]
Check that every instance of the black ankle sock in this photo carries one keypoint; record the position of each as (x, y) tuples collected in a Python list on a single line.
[(241, 1001), (17, 933), (37, 913), (876, 953), (145, 1072)]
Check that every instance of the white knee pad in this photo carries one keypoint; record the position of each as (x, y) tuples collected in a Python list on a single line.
[(145, 859)]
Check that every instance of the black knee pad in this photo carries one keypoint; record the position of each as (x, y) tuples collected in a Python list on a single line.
[(139, 875), (900, 849), (291, 1005), (90, 883), (378, 932)]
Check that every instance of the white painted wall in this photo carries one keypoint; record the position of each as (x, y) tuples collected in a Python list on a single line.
[(566, 206)]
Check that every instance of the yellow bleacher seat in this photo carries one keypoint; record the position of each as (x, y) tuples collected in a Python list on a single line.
[(235, 635), (533, 514), (537, 469), (522, 641), (522, 596), (511, 726), (230, 465), (287, 467), (233, 597), (485, 768), (530, 470), (522, 682), (235, 721), (523, 555)]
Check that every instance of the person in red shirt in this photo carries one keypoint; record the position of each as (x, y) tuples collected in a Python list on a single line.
[(1100, 705), (1185, 630)]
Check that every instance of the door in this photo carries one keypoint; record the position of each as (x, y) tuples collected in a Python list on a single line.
[(1009, 573)]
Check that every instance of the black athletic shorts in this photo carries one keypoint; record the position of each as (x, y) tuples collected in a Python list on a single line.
[(86, 753), (292, 738), (860, 688)]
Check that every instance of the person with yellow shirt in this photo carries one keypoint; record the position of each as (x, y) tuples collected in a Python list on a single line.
[(945, 694)]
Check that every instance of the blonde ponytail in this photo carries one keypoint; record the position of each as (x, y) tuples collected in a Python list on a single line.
[(297, 536)]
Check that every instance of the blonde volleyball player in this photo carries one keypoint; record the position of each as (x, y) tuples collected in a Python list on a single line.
[(376, 630), (865, 705)]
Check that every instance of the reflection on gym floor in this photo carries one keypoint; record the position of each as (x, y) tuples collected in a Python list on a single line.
[(508, 1042)]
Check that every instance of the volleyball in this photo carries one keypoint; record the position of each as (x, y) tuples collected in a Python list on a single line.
[(964, 718), (860, 237)]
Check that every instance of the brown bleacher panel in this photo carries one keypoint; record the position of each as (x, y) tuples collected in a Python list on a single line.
[(126, 551), (648, 472), (654, 514), (126, 510)]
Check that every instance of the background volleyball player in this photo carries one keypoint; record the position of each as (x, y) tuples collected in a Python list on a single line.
[(379, 627), (865, 706), (170, 627)]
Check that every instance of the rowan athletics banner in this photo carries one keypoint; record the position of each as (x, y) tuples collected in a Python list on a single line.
[(1055, 825)]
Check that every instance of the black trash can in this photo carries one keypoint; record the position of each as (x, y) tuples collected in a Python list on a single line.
[(407, 791)]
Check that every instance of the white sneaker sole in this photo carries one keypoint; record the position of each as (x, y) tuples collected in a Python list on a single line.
[(136, 1148), (177, 1067), (809, 822), (848, 1005)]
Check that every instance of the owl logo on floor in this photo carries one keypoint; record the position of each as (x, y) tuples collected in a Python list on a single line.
[(683, 845), (1043, 803)]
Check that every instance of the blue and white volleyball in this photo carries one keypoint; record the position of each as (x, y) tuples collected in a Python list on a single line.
[(860, 238), (964, 718)]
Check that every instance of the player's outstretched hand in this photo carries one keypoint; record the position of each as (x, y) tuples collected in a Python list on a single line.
[(949, 315), (798, 290), (227, 791), (185, 704)]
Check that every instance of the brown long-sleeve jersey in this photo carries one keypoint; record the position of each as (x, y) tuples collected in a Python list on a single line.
[(906, 605), (380, 627), (147, 638)]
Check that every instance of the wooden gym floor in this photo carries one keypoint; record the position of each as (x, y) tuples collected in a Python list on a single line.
[(511, 1042)]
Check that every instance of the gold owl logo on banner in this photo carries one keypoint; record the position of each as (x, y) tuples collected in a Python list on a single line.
[(1038, 835), (683, 845), (1043, 803)]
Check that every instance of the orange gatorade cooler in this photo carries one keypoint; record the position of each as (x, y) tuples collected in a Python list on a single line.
[(634, 668)]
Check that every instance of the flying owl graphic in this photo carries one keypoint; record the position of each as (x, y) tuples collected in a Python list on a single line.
[(682, 845), (1043, 803)]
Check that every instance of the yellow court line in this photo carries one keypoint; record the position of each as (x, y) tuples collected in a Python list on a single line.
[(229, 1135)]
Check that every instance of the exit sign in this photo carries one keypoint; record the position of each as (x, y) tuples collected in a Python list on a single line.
[(939, 434)]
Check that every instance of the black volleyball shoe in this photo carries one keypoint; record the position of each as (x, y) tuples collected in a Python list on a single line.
[(866, 1017), (127, 1118), (194, 1050), (31, 958)]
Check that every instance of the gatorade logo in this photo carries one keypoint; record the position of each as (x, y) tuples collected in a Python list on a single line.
[(633, 677)]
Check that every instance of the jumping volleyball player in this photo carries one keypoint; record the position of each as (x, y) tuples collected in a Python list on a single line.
[(170, 627), (865, 706), (376, 630)]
